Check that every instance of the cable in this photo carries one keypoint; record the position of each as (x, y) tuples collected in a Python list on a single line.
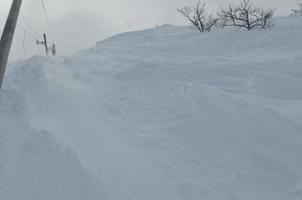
[(32, 33), (28, 24), (18, 26), (23, 43), (47, 20), (24, 30)]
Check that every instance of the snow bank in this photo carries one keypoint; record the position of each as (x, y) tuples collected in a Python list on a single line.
[(165, 113), (33, 165)]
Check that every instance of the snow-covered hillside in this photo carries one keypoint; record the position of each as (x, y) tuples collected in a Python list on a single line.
[(161, 114)]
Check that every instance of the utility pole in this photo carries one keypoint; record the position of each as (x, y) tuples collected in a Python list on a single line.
[(8, 35), (45, 44)]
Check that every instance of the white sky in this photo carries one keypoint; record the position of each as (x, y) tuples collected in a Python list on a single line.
[(79, 24)]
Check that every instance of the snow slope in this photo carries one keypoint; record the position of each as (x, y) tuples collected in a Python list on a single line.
[(165, 113)]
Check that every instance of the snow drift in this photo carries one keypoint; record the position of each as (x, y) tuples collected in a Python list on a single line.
[(165, 113)]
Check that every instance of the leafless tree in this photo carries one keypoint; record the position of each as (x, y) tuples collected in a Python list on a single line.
[(246, 15), (199, 17), (298, 12)]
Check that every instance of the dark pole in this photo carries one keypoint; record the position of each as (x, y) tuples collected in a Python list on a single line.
[(45, 43), (8, 35)]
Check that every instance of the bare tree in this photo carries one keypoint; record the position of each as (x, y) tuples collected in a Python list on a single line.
[(298, 12), (246, 15), (199, 17)]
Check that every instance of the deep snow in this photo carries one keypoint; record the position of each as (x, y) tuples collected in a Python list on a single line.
[(166, 114)]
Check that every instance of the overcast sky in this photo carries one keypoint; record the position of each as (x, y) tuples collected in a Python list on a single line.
[(79, 24)]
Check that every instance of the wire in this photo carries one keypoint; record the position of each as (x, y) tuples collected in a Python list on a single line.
[(28, 24), (18, 26), (21, 28), (32, 33), (47, 20), (23, 43)]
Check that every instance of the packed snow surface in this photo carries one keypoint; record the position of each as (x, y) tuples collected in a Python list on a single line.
[(160, 114)]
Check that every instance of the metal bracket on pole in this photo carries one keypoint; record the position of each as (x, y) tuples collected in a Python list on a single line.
[(53, 50), (7, 36)]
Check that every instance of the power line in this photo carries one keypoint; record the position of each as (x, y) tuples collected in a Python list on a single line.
[(21, 28), (28, 24), (47, 20), (23, 43), (31, 30)]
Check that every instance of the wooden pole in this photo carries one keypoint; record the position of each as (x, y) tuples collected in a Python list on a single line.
[(45, 43), (8, 35)]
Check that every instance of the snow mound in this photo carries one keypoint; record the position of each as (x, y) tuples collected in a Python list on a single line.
[(165, 113), (33, 165)]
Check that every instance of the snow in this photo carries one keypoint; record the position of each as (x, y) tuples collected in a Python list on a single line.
[(165, 113)]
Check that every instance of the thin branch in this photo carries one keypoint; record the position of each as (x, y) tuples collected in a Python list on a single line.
[(247, 16)]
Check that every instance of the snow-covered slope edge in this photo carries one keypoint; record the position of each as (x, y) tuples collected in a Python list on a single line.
[(169, 113)]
